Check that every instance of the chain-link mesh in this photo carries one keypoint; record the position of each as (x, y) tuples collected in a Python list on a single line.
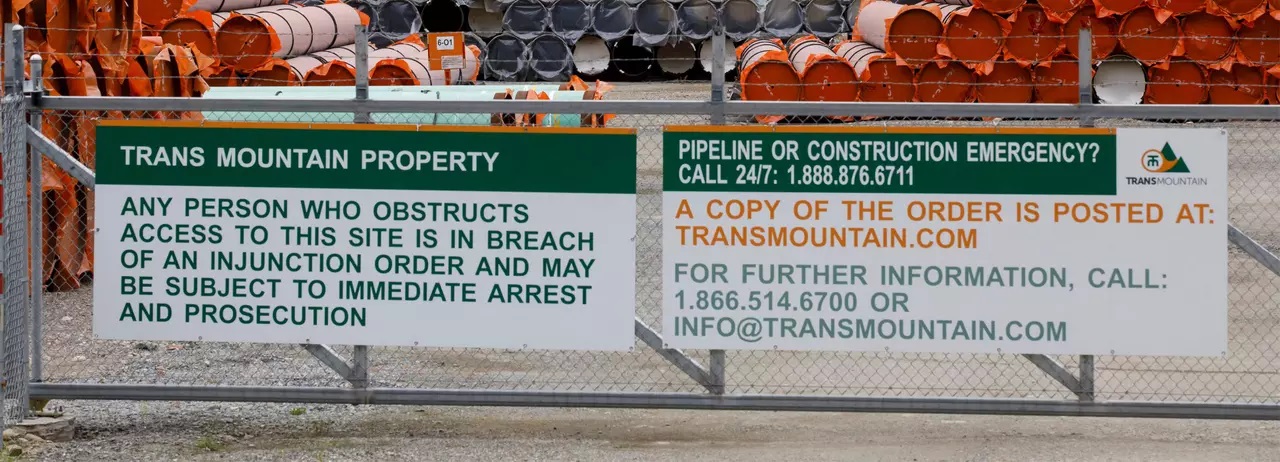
[(15, 321), (1249, 373)]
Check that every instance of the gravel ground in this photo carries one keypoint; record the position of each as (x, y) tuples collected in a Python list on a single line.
[(235, 431), (207, 431)]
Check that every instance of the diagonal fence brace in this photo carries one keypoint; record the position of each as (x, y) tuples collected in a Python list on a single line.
[(1254, 249), (1060, 373), (60, 158), (678, 358), (357, 376)]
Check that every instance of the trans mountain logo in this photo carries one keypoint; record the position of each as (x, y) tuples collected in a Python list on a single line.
[(1163, 161)]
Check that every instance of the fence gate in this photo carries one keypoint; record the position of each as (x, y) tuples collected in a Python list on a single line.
[(51, 350)]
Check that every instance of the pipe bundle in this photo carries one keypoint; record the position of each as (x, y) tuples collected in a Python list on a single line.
[(1013, 51)]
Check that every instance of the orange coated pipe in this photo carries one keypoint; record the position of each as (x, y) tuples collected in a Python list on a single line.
[(1148, 40), (1166, 9), (1258, 42), (196, 28), (766, 73), (1183, 82), (999, 6), (1058, 82), (1107, 8), (1244, 10), (1102, 32), (1060, 11), (1033, 38), (1209, 39), (944, 81), (972, 36), (1008, 82), (883, 78), (1240, 85)]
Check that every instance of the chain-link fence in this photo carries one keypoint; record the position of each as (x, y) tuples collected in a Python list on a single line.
[(67, 361)]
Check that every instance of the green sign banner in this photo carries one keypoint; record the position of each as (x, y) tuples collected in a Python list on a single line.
[(781, 159)]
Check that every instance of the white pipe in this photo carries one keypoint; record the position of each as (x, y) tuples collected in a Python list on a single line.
[(677, 58), (591, 55), (484, 23), (705, 57), (1120, 80)]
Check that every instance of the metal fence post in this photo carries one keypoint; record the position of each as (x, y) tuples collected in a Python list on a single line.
[(1086, 120), (5, 136), (717, 75), (16, 335), (36, 120), (1086, 378), (1086, 76), (360, 355), (717, 372), (362, 72)]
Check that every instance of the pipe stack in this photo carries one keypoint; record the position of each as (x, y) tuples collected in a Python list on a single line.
[(1014, 51), (642, 39)]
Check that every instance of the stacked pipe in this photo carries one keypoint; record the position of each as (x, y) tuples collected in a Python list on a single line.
[(93, 48), (945, 43), (666, 37), (1013, 51)]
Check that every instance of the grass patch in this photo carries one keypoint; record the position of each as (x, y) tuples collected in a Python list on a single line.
[(210, 444), (298, 411)]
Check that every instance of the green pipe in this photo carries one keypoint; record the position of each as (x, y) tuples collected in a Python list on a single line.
[(341, 93), (474, 93)]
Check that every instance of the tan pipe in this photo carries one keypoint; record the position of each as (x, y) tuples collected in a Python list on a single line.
[(909, 32), (248, 39), (824, 75)]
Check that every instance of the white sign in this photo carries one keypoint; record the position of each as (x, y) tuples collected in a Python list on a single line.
[(1022, 241), (419, 238)]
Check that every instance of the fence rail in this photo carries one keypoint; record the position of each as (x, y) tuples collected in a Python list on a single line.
[(66, 362)]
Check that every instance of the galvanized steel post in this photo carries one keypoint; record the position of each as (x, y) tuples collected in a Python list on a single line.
[(717, 74), (14, 146), (1086, 75), (36, 121), (362, 73)]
